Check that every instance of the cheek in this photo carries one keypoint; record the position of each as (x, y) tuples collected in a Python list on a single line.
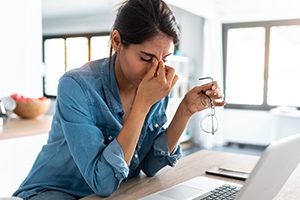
[(145, 67), (132, 68)]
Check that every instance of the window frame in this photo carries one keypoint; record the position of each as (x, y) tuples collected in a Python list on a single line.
[(65, 36), (267, 25)]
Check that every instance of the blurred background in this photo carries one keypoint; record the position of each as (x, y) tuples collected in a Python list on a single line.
[(250, 47)]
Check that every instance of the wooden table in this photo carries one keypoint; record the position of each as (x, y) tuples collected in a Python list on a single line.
[(195, 165), (17, 127)]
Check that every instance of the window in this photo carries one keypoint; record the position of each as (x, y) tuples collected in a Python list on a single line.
[(261, 64), (284, 62), (63, 53)]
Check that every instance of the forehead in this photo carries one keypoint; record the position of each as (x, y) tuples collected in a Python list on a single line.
[(157, 45)]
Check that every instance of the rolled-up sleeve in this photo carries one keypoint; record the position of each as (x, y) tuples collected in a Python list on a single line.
[(102, 166), (113, 154), (160, 156)]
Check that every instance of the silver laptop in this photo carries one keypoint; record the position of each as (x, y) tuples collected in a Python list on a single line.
[(272, 170)]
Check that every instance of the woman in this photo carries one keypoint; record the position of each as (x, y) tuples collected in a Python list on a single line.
[(109, 116)]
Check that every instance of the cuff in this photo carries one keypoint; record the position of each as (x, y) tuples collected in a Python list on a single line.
[(113, 154), (161, 149)]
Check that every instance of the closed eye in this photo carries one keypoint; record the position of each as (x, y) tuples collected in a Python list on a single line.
[(151, 59), (147, 60)]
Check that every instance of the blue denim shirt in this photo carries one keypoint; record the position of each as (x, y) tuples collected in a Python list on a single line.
[(82, 155)]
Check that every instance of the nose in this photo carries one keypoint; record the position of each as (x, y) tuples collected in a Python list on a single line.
[(157, 61)]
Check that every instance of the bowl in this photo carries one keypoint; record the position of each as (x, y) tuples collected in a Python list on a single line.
[(31, 109)]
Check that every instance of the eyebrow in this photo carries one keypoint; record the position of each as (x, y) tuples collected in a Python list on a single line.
[(152, 55)]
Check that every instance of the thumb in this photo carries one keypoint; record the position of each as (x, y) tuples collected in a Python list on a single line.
[(152, 71)]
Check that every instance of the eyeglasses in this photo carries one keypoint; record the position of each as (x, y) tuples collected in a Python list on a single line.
[(209, 123)]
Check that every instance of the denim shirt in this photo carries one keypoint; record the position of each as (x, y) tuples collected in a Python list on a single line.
[(82, 155)]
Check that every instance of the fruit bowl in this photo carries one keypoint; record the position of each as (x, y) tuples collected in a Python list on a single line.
[(30, 107)]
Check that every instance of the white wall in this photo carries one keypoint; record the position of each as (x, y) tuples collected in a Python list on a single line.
[(257, 10), (20, 49), (101, 22), (203, 8), (258, 127)]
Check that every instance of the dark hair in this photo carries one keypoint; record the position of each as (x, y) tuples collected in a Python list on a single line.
[(140, 20)]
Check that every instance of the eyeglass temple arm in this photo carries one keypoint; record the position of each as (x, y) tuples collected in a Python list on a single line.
[(211, 104), (212, 120), (204, 78)]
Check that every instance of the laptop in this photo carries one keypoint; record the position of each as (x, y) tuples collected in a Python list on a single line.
[(274, 167)]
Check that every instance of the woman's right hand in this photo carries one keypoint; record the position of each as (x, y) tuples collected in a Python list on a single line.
[(157, 83)]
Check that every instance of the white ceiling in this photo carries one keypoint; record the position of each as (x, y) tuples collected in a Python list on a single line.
[(227, 10), (61, 8)]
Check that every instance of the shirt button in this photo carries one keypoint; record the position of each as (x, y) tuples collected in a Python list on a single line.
[(135, 155), (109, 137), (156, 125), (163, 153)]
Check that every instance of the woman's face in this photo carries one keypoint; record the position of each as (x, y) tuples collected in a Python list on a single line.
[(136, 59)]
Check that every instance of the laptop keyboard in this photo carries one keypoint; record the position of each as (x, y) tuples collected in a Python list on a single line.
[(226, 192)]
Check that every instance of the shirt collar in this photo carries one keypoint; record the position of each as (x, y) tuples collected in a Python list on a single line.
[(111, 89)]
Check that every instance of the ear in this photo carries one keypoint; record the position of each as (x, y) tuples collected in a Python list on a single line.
[(116, 41)]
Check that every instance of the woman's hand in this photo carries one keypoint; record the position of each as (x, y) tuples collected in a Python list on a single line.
[(157, 83), (200, 97)]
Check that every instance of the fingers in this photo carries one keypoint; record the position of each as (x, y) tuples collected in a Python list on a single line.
[(170, 73), (205, 100), (152, 71), (204, 87), (215, 94), (161, 72), (213, 91), (171, 76), (174, 80), (219, 103), (164, 73)]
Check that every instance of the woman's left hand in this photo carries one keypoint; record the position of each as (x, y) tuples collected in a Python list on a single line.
[(200, 98)]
